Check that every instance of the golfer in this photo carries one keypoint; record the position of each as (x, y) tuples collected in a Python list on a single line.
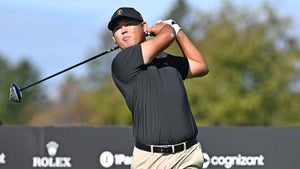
[(151, 82)]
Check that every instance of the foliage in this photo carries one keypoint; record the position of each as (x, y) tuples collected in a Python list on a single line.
[(77, 106), (100, 68), (252, 66), (108, 104)]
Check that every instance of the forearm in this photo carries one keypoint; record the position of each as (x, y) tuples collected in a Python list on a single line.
[(163, 39), (197, 63)]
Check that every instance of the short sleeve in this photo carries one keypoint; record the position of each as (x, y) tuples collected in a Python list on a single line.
[(126, 64)]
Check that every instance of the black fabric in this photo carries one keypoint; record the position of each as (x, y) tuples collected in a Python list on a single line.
[(124, 12), (156, 96)]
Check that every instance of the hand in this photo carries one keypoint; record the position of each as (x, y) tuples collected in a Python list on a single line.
[(156, 28), (173, 23)]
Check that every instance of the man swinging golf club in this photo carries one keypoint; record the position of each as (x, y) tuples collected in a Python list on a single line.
[(151, 82)]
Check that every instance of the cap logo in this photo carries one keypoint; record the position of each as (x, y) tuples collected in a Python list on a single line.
[(120, 11)]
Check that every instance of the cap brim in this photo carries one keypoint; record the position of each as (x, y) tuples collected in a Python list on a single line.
[(113, 22)]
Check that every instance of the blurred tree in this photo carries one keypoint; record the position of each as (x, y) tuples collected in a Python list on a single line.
[(66, 109), (22, 74), (107, 106), (180, 12), (100, 68), (76, 106), (252, 66)]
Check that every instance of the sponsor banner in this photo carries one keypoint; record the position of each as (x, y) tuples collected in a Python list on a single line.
[(23, 147), (52, 160), (233, 161)]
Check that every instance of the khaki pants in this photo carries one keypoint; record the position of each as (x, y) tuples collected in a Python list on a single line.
[(191, 158)]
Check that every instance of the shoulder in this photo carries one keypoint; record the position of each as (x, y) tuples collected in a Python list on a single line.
[(128, 55), (136, 49)]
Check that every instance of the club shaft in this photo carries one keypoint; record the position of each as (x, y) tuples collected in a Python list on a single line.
[(71, 67)]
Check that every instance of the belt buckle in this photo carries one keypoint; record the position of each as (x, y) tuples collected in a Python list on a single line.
[(161, 149), (167, 149)]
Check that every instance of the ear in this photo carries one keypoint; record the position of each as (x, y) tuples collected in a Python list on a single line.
[(145, 26), (113, 38)]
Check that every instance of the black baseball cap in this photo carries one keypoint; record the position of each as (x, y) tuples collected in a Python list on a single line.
[(124, 12)]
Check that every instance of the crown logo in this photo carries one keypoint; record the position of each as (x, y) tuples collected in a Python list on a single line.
[(52, 147), (120, 11)]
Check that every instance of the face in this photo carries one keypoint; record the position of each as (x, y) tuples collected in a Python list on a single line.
[(128, 32)]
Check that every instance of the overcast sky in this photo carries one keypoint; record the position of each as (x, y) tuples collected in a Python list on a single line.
[(55, 34)]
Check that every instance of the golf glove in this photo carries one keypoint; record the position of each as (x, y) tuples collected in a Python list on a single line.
[(173, 23)]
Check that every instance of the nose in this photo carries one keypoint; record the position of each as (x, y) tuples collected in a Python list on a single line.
[(124, 29)]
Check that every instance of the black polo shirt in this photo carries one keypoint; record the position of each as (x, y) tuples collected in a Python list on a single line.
[(156, 96)]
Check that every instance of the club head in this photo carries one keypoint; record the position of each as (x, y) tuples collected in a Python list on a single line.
[(15, 93)]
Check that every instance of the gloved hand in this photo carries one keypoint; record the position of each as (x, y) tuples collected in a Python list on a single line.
[(173, 23), (169, 21)]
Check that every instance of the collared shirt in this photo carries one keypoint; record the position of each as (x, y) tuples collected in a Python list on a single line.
[(156, 96)]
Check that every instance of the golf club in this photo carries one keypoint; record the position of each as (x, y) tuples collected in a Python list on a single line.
[(15, 92)]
